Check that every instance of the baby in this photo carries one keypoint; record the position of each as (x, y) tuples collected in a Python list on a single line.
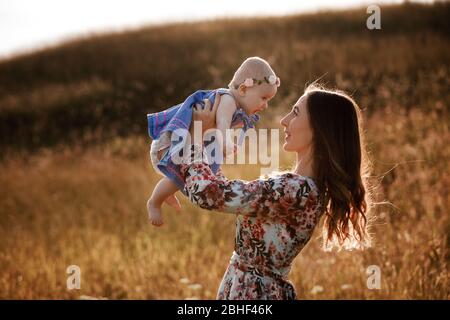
[(253, 85)]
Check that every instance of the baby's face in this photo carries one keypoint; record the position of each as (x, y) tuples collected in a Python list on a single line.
[(256, 98)]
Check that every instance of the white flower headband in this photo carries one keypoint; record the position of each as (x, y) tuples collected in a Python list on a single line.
[(250, 82)]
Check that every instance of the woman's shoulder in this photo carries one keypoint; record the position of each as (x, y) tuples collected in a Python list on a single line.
[(298, 191), (294, 179)]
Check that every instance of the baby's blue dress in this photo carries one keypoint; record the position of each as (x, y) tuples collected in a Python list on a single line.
[(180, 117)]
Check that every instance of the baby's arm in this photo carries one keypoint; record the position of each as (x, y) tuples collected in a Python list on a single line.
[(224, 115)]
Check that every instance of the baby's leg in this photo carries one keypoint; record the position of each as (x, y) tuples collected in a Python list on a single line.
[(163, 190)]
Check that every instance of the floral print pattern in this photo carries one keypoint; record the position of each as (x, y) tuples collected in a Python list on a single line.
[(276, 217)]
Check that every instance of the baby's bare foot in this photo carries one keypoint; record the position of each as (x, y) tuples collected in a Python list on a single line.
[(154, 214), (173, 202)]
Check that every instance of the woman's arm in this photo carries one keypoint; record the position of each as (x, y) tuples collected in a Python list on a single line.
[(285, 196), (289, 196)]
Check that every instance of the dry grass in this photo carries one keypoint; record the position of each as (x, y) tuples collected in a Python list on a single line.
[(87, 208), (83, 204)]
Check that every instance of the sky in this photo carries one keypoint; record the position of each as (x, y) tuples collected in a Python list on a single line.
[(26, 25)]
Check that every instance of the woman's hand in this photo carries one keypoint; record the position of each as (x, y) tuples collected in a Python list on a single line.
[(206, 115)]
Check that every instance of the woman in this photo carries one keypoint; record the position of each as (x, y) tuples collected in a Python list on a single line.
[(276, 216)]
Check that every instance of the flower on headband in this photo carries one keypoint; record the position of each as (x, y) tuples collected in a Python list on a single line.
[(249, 82), (272, 79)]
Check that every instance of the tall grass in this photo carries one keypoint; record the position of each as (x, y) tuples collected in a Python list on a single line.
[(75, 173)]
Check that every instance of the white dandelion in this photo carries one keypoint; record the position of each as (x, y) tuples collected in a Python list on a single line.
[(317, 290)]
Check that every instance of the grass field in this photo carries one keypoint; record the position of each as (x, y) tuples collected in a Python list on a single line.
[(75, 174)]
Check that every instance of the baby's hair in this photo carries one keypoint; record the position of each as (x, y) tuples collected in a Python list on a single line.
[(253, 67)]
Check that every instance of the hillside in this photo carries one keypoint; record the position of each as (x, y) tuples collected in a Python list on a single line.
[(96, 88)]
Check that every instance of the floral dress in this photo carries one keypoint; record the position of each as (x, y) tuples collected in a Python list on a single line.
[(276, 217)]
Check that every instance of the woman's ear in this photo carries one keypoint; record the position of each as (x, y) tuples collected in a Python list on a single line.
[(242, 90)]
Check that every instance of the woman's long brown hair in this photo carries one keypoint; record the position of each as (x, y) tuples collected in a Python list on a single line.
[(341, 167)]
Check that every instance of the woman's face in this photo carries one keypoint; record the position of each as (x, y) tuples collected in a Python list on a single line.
[(298, 133)]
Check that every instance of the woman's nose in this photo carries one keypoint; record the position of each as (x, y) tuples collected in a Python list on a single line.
[(283, 122)]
